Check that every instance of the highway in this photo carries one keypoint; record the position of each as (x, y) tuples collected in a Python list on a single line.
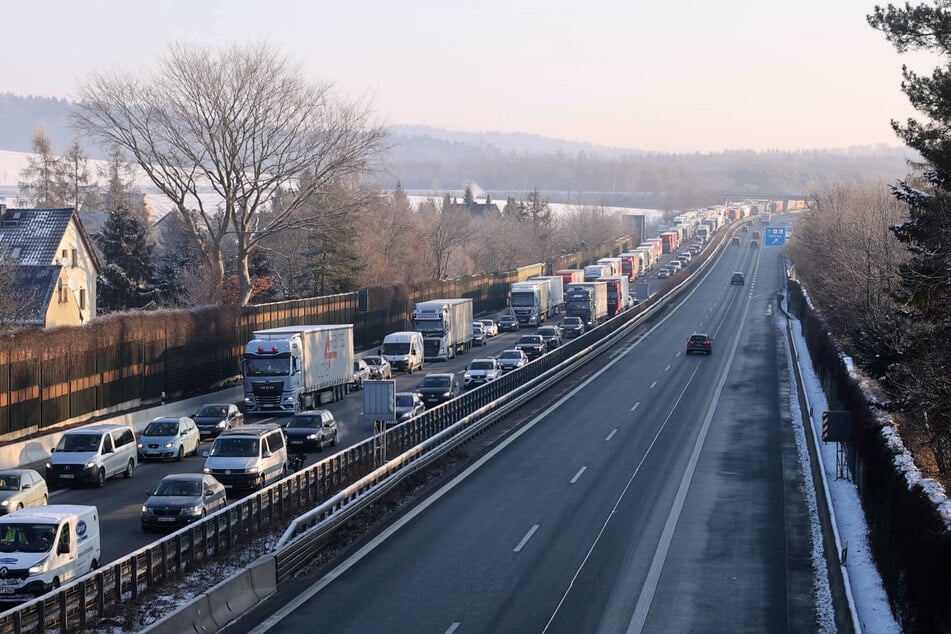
[(652, 491)]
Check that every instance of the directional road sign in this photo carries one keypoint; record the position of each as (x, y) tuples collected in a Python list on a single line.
[(775, 236)]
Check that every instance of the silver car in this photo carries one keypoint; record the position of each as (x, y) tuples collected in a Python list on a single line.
[(20, 488)]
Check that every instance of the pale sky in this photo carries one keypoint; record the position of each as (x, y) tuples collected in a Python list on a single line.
[(646, 74)]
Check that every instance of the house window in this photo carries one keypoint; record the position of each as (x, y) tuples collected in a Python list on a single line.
[(75, 261), (61, 293), (65, 254), (82, 299)]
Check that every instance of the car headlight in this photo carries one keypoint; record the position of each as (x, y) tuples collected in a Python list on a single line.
[(146, 510), (192, 510), (90, 465), (252, 470), (169, 445), (446, 394), (289, 399), (206, 470), (311, 436), (222, 424), (468, 376), (139, 445), (5, 503), (40, 567)]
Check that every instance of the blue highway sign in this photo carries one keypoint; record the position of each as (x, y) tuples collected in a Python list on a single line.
[(775, 236)]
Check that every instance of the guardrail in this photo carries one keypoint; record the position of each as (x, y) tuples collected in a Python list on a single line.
[(326, 493)]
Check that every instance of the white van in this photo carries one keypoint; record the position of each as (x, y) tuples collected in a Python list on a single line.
[(404, 350), (43, 547), (250, 457), (93, 454)]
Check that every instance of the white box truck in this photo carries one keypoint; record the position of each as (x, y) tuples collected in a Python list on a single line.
[(530, 301), (594, 272), (617, 267), (556, 292), (446, 325), (294, 368), (44, 547), (404, 350)]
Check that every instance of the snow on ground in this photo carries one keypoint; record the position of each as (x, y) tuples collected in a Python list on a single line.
[(868, 592)]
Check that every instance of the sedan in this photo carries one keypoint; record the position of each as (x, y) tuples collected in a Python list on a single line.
[(408, 405), (169, 437), (361, 373), (479, 338), (182, 498), (380, 368), (551, 335), (20, 488), (532, 345), (436, 389), (663, 273), (508, 323), (311, 429), (511, 360), (214, 418), (701, 343), (491, 328)]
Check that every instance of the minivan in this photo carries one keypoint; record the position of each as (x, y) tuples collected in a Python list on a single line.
[(93, 454), (250, 457)]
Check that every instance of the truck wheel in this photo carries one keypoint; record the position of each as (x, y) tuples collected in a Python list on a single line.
[(93, 565), (101, 478)]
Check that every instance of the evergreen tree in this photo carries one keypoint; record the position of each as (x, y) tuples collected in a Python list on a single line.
[(126, 280), (44, 178), (538, 209), (510, 209), (468, 198), (920, 370)]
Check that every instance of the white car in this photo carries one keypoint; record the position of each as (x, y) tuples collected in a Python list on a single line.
[(481, 371), (511, 360), (491, 328), (20, 488), (169, 437), (663, 273)]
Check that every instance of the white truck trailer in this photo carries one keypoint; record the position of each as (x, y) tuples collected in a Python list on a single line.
[(446, 325), (556, 292), (294, 368), (530, 301)]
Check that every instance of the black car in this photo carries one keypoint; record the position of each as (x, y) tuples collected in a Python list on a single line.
[(408, 405), (311, 430), (572, 327), (214, 418), (551, 335), (180, 499), (435, 389), (533, 346), (699, 342), (737, 278), (508, 323)]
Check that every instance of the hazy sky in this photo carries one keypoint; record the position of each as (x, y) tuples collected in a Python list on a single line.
[(649, 74)]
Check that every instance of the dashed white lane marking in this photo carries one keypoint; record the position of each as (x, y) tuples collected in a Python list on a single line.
[(637, 404), (453, 627), (525, 539), (611, 435), (667, 368), (653, 384), (578, 475)]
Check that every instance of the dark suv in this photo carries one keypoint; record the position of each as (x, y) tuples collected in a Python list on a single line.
[(699, 342), (572, 327), (435, 389), (737, 278), (532, 345)]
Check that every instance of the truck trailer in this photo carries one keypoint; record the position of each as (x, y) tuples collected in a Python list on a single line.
[(571, 275), (556, 292), (618, 293), (594, 272), (587, 300), (614, 263), (293, 368), (530, 301), (446, 325), (631, 264)]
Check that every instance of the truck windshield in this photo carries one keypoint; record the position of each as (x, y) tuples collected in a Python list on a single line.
[(396, 348), (429, 327), (523, 299), (578, 304), (26, 538), (267, 367)]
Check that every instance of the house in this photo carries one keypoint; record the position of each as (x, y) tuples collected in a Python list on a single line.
[(49, 268), (479, 210)]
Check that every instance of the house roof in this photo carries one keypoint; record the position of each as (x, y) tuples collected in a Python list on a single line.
[(33, 236), (478, 209), (33, 286)]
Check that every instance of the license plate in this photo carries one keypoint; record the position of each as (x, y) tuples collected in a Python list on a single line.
[(166, 519), (7, 590), (229, 486), (297, 442), (66, 476), (151, 453)]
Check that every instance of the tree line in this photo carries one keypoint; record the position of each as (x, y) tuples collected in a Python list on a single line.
[(876, 259)]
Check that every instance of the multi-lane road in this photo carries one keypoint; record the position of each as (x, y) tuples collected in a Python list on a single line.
[(653, 492)]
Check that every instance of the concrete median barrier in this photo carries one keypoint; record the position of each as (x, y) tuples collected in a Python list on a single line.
[(231, 598), (195, 616), (264, 576)]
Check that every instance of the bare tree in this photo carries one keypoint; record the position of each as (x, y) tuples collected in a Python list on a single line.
[(447, 230), (44, 177), (221, 133)]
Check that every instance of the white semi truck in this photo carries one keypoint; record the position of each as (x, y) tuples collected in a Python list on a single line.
[(446, 325), (556, 292), (530, 301), (295, 368)]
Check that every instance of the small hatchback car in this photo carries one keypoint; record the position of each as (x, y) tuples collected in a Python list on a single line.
[(699, 342), (737, 278)]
